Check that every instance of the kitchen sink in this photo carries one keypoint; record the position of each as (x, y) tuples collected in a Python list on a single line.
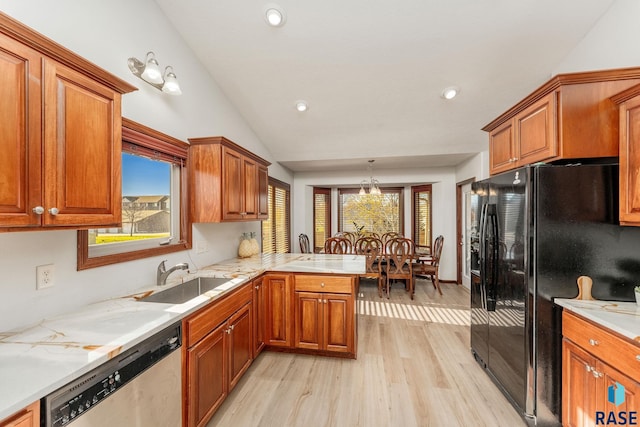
[(187, 291)]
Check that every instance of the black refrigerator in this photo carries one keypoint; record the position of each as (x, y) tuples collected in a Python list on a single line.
[(540, 228)]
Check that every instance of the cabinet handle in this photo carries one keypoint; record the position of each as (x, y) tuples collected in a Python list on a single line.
[(54, 211), (38, 210), (594, 342)]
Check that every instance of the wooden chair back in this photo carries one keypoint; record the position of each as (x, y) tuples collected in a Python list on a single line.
[(305, 246), (436, 252), (338, 245), (388, 236), (399, 256)]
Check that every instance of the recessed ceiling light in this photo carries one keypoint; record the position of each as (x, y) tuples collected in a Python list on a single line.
[(302, 106), (450, 92), (274, 15)]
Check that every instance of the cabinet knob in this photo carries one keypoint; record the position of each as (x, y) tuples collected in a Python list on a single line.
[(594, 342), (54, 211), (588, 368), (596, 374), (325, 301), (38, 210), (257, 287), (638, 357), (322, 285)]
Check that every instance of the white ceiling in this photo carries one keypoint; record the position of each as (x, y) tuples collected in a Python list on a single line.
[(372, 71)]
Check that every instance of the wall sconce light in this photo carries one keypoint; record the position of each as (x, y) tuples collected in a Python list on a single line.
[(149, 71)]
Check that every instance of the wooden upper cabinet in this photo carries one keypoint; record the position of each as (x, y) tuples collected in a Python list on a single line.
[(60, 135), (228, 183), (630, 157), (501, 148), (569, 117)]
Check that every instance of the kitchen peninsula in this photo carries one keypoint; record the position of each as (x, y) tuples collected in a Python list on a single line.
[(38, 359)]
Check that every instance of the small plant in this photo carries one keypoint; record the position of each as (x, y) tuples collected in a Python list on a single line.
[(637, 289), (358, 229)]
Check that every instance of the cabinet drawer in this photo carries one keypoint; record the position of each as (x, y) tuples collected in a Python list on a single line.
[(335, 284), (606, 346), (198, 325)]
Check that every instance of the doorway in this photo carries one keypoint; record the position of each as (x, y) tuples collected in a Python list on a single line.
[(463, 232)]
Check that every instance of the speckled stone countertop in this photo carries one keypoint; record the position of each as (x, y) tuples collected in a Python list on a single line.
[(621, 317), (39, 359)]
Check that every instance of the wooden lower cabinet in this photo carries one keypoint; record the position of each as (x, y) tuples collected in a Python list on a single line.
[(324, 322), (259, 316), (216, 359), (28, 417), (587, 377), (278, 291)]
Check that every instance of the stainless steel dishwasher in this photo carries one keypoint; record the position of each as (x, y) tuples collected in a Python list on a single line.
[(139, 388)]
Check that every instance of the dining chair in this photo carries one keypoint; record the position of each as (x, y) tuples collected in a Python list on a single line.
[(305, 246), (432, 268), (399, 263), (389, 235), (338, 245), (371, 247)]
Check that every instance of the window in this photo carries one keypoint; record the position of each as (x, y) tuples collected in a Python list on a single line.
[(321, 217), (371, 213), (421, 207), (153, 202), (276, 230)]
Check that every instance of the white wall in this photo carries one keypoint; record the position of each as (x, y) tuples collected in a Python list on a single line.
[(443, 182), (107, 33), (611, 43)]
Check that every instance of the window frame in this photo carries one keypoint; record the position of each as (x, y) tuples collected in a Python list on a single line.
[(275, 183), (384, 190), (421, 189), (326, 192), (148, 140)]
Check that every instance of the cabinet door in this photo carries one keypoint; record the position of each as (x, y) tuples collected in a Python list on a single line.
[(309, 316), (240, 343), (20, 135), (232, 185), (28, 417), (630, 162), (207, 376), (535, 132), (278, 291), (338, 323), (258, 316), (609, 378), (82, 149), (578, 386), (501, 148), (263, 192), (250, 181)]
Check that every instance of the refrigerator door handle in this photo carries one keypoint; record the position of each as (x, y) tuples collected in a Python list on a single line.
[(492, 260)]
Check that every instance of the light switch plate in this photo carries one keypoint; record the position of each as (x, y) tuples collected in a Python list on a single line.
[(44, 276)]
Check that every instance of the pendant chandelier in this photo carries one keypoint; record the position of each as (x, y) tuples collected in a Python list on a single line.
[(372, 186)]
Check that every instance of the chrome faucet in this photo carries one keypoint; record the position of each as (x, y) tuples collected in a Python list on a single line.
[(163, 273)]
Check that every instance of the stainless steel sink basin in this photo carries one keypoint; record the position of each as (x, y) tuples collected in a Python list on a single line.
[(186, 291)]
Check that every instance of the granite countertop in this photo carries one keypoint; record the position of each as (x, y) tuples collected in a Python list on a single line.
[(620, 317), (39, 359)]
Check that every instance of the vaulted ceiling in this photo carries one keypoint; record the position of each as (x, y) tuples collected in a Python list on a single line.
[(372, 71)]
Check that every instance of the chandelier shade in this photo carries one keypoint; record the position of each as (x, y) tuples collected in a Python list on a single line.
[(371, 186)]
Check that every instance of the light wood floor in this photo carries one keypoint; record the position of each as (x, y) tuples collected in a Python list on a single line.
[(414, 368)]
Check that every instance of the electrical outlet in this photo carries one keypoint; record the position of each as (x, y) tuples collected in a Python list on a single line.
[(202, 246), (44, 276)]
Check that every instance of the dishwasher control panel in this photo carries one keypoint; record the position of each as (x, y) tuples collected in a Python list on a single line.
[(71, 401)]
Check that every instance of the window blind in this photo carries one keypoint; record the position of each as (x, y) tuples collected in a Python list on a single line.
[(277, 229), (422, 215), (321, 217)]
